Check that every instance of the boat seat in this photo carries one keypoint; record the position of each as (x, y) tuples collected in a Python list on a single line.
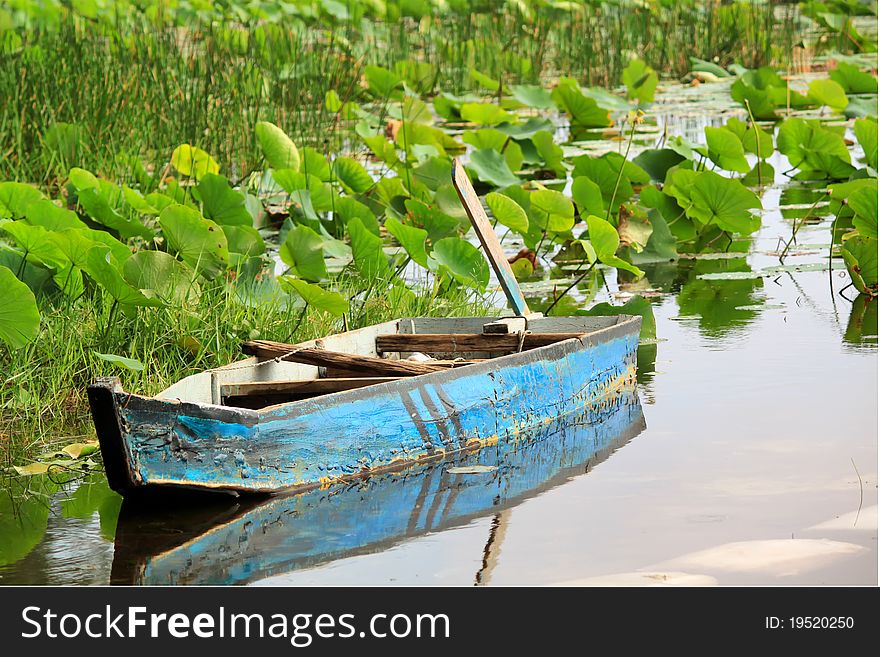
[(259, 394)]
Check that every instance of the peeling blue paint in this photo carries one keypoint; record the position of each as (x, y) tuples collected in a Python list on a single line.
[(313, 441)]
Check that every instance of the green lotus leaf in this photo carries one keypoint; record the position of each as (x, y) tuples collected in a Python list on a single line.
[(434, 172), (532, 95), (522, 268), (352, 175), (137, 201), (549, 151), (607, 100), (686, 148), (828, 92), (221, 203), (200, 242), (640, 80), (814, 148), (382, 83), (464, 262), (189, 160), (611, 172), (19, 316), (448, 202), (412, 239), (314, 164), (51, 217), (484, 81), (526, 130), (853, 80), (433, 219), (411, 110), (753, 138), (383, 149), (485, 114), (411, 134), (605, 241), (723, 202), (583, 111), (164, 275), (347, 208), (101, 269), (278, 149), (303, 252), (866, 133), (726, 150), (551, 210), (15, 197), (489, 166), (661, 246), (863, 203), (497, 140), (679, 224), (840, 193), (36, 242), (82, 179), (754, 88), (587, 196), (369, 257), (658, 161), (861, 107), (243, 242), (317, 297), (98, 207), (419, 76), (603, 237), (508, 212), (860, 255)]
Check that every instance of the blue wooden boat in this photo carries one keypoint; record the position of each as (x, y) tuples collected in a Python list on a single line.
[(236, 541), (363, 402)]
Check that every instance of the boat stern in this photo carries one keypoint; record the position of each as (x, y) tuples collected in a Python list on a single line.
[(103, 399)]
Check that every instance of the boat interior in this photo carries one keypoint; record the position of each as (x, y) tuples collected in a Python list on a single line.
[(277, 373)]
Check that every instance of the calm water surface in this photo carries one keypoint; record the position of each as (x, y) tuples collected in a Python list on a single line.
[(750, 459)]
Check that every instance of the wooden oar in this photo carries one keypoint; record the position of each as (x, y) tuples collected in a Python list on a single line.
[(488, 239)]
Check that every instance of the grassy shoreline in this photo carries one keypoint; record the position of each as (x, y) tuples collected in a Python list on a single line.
[(43, 398)]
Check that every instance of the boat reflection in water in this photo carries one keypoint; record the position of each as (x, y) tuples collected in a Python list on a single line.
[(235, 541)]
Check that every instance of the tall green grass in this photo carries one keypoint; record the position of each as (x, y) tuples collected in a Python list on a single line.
[(141, 88)]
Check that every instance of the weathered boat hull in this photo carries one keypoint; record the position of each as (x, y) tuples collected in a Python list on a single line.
[(242, 541), (148, 442)]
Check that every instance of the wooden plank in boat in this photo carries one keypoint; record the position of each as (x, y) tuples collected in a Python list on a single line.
[(309, 387), (335, 359), (464, 342)]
